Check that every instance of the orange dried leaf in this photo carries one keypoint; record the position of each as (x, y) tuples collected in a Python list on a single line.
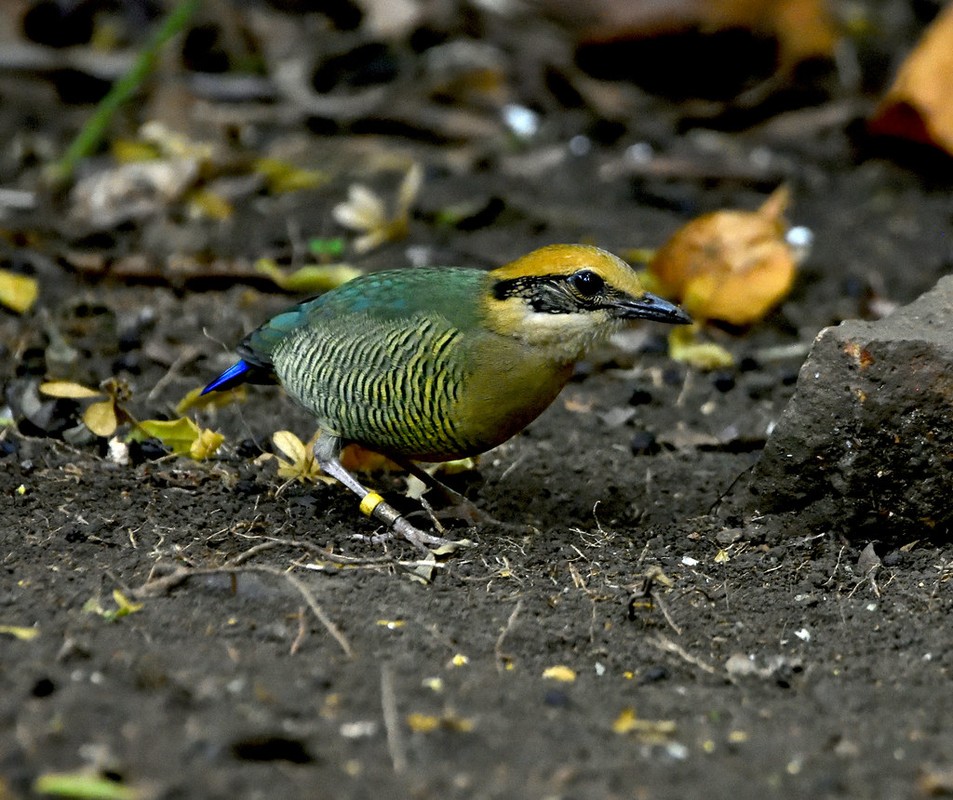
[(355, 458), (729, 265), (919, 104), (804, 29)]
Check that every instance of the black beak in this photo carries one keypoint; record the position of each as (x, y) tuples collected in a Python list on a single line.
[(651, 307)]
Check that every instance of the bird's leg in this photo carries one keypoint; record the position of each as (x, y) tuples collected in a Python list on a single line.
[(459, 506), (326, 452)]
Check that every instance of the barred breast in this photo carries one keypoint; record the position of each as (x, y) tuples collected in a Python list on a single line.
[(393, 385)]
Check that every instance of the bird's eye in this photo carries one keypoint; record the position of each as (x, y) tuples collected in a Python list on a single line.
[(586, 282)]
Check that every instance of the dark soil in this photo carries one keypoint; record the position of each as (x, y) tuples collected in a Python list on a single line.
[(276, 655)]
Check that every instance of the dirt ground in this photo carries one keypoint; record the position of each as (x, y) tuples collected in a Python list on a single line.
[(715, 651)]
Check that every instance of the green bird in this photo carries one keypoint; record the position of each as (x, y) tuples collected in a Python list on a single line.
[(434, 364)]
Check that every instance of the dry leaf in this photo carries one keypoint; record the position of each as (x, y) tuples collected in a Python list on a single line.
[(300, 464), (182, 435), (206, 204), (650, 731), (365, 211), (195, 399), (428, 723), (20, 632), (355, 458), (729, 265), (86, 785), (310, 279), (17, 292), (101, 418), (804, 29), (68, 389), (282, 176), (560, 673), (205, 445), (423, 723), (683, 346), (919, 104)]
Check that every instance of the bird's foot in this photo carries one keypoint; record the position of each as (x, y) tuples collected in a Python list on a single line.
[(375, 506)]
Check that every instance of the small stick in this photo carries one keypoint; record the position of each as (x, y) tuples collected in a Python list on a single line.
[(395, 739), (182, 574), (501, 657), (666, 645)]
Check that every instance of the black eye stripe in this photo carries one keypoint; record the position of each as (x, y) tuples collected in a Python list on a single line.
[(548, 293), (586, 282)]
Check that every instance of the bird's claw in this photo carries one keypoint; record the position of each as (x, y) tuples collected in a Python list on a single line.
[(399, 526)]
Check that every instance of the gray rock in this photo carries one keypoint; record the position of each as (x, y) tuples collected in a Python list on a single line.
[(866, 444)]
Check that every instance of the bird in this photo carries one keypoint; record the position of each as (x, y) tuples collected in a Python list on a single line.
[(430, 364)]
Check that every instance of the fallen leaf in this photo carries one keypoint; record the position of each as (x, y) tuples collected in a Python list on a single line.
[(283, 176), (804, 29), (683, 346), (365, 212), (195, 399), (428, 723), (204, 203), (649, 731), (355, 458), (935, 781), (101, 418), (82, 786), (423, 723), (729, 265), (24, 634), (18, 292), (919, 104), (560, 673), (124, 607), (68, 389), (206, 444), (311, 279), (182, 436), (300, 464)]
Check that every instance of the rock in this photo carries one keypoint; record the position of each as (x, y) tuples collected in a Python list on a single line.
[(866, 444)]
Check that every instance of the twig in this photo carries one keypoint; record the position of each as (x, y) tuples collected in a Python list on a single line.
[(188, 354), (395, 739), (302, 632), (661, 606), (165, 584), (324, 619), (666, 645), (501, 657)]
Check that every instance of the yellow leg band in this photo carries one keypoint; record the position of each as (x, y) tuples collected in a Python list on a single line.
[(371, 501)]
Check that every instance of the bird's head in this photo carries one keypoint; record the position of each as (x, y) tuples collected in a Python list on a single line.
[(565, 297)]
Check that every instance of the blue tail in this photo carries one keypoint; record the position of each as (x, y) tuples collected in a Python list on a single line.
[(230, 378)]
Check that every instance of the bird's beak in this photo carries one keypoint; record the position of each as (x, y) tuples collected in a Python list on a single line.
[(651, 307)]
